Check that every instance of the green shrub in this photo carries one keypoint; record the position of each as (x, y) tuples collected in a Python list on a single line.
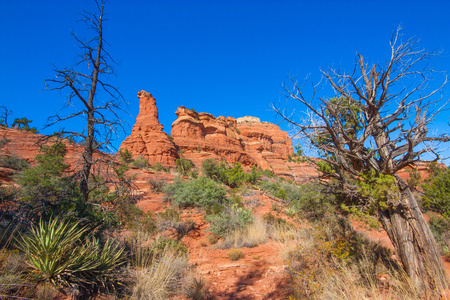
[(213, 239), (437, 190), (45, 181), (272, 220), (125, 156), (201, 192), (157, 184), (59, 253), (210, 169), (235, 254), (235, 176), (163, 244), (309, 200), (140, 162), (184, 166), (440, 227), (14, 162), (252, 177), (120, 171), (160, 168), (228, 220)]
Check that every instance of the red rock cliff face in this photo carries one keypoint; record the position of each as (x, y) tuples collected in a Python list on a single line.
[(147, 138), (246, 140)]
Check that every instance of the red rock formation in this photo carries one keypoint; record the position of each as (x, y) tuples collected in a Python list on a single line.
[(267, 143), (26, 145), (201, 136), (147, 138), (246, 140)]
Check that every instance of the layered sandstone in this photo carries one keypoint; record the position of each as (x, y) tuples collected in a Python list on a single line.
[(201, 135), (147, 138), (267, 143), (246, 140)]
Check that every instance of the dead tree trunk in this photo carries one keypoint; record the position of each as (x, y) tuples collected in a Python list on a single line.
[(413, 240)]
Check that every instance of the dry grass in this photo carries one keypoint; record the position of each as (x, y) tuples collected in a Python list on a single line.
[(253, 235), (327, 263), (161, 278), (235, 254)]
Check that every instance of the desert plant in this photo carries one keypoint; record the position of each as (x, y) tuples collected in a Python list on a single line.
[(125, 156), (161, 275), (252, 235), (235, 254), (58, 253), (14, 162), (159, 167), (184, 166), (196, 288), (157, 184), (201, 192), (228, 220), (140, 162)]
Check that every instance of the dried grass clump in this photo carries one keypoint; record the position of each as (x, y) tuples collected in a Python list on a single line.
[(161, 275), (252, 235), (235, 254), (330, 261)]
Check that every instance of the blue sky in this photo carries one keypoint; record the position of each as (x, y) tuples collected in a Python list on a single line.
[(223, 57)]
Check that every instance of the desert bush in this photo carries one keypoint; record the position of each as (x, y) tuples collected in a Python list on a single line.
[(231, 176), (330, 261), (60, 253), (310, 201), (160, 168), (184, 166), (125, 156), (253, 177), (120, 170), (200, 192), (213, 239), (14, 162), (437, 190), (140, 163), (157, 184), (235, 254), (440, 227), (228, 220), (170, 219)]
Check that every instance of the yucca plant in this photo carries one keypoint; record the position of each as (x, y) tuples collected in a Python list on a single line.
[(58, 252)]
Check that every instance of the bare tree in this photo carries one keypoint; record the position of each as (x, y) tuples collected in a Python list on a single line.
[(377, 124), (96, 100), (4, 115)]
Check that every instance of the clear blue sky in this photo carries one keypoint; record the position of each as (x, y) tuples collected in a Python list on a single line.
[(223, 57)]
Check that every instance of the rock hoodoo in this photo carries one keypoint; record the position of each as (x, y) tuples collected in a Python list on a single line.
[(198, 136), (147, 137)]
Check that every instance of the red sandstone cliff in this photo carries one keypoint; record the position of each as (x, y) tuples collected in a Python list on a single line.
[(147, 138), (246, 140)]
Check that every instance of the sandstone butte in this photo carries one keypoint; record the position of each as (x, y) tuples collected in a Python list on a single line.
[(198, 136)]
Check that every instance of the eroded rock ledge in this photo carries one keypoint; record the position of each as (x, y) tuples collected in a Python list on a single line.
[(199, 136)]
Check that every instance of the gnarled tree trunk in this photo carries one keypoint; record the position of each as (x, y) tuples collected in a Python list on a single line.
[(412, 237)]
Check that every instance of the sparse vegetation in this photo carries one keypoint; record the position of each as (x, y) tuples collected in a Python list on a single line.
[(140, 163), (14, 162), (200, 192), (160, 168), (184, 166), (235, 254)]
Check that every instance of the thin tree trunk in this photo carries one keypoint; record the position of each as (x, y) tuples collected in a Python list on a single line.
[(414, 241)]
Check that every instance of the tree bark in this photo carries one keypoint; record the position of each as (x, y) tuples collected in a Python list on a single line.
[(413, 240)]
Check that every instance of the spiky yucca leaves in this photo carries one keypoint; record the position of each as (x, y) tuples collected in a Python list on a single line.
[(58, 253)]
